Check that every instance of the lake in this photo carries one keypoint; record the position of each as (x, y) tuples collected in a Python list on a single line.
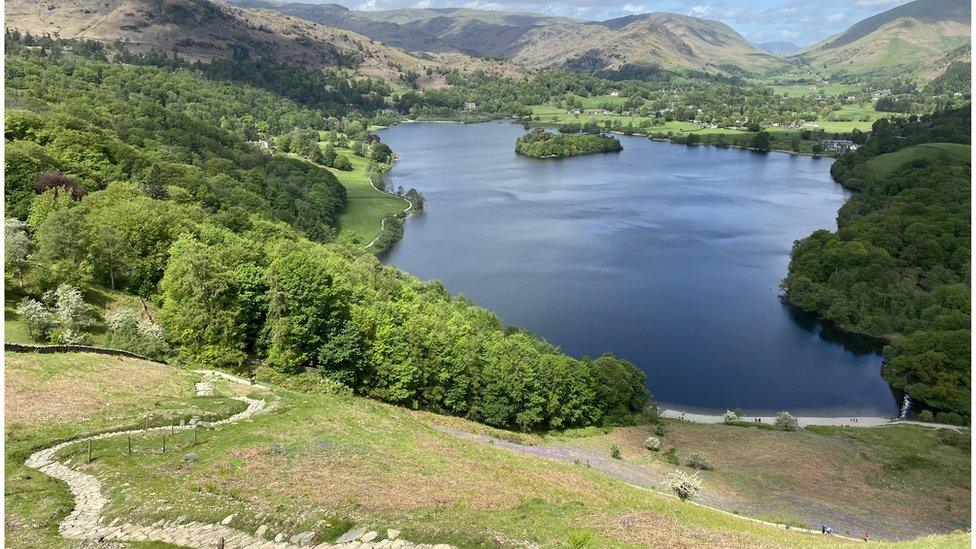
[(666, 255)]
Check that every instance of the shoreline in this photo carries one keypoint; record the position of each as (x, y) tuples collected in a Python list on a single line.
[(784, 297), (806, 421)]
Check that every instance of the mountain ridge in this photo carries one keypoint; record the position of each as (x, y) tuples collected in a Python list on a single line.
[(663, 40)]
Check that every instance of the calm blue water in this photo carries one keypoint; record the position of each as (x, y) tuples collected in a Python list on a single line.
[(666, 255)]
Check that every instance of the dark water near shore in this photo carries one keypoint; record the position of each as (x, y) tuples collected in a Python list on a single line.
[(666, 255)]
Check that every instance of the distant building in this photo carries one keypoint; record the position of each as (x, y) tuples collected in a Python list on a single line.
[(470, 106), (838, 145), (614, 93)]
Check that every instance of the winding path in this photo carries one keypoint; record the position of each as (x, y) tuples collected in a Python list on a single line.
[(87, 523)]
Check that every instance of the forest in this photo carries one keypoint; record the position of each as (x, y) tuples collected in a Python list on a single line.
[(143, 180), (542, 144), (898, 267)]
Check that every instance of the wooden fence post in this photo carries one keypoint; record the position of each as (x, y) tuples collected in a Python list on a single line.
[(220, 543), (194, 435), (129, 444), (163, 439), (89, 450)]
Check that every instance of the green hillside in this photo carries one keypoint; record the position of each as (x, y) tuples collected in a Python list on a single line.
[(911, 41), (328, 463), (950, 153)]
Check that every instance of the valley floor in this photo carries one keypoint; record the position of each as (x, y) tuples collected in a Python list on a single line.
[(329, 464)]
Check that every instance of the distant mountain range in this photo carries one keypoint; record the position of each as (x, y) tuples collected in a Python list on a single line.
[(780, 48), (659, 40), (919, 39)]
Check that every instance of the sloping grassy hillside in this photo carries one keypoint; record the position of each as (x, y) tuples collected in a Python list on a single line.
[(327, 463), (884, 164), (365, 206), (50, 398)]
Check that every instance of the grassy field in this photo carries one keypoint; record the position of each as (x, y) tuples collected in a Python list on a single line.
[(54, 397), (365, 206), (814, 89), (326, 463), (880, 166), (861, 118)]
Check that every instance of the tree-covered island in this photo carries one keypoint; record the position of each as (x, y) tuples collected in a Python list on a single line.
[(541, 144)]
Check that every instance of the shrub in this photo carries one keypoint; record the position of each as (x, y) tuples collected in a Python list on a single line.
[(126, 330), (615, 451), (580, 539), (953, 438), (342, 163), (683, 485), (304, 382), (730, 417), (661, 430), (62, 319), (37, 319), (700, 462), (926, 416), (653, 444), (950, 418), (672, 455), (785, 422)]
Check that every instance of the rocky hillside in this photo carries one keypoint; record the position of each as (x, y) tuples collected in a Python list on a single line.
[(202, 29), (917, 39), (661, 40)]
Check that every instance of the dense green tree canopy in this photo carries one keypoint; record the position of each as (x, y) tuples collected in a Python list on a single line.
[(898, 266)]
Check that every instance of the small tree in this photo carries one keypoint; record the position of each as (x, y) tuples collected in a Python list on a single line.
[(126, 330), (71, 315), (38, 320), (700, 462), (16, 247), (785, 422), (62, 319), (683, 485), (730, 417), (653, 444), (615, 451), (342, 163), (926, 416)]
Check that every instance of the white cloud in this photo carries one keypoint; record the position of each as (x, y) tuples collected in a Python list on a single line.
[(837, 17), (368, 5), (701, 11), (422, 4), (633, 9)]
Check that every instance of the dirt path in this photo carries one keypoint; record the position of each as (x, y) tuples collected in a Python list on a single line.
[(87, 523), (805, 421)]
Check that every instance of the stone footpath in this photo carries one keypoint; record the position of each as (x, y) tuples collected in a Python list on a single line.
[(87, 523)]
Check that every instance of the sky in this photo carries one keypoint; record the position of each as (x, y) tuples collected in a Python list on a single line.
[(800, 21)]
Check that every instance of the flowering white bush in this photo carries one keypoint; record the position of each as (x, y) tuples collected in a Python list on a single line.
[(71, 314), (786, 422), (683, 485), (730, 417), (61, 319), (653, 444), (126, 330), (37, 319)]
